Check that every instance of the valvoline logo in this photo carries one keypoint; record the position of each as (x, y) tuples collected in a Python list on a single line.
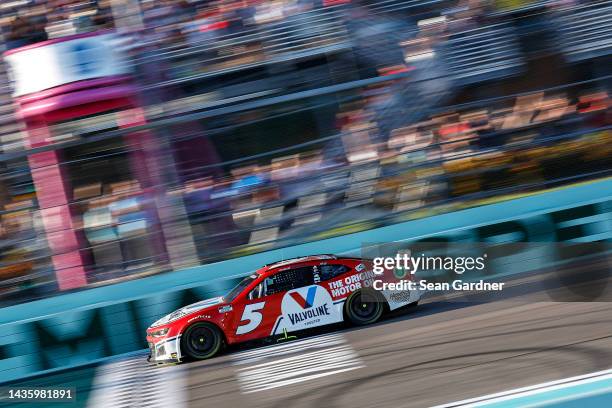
[(308, 307), (305, 302)]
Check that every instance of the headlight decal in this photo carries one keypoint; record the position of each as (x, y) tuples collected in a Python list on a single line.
[(160, 332)]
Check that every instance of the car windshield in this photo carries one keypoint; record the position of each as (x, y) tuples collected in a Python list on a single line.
[(239, 288)]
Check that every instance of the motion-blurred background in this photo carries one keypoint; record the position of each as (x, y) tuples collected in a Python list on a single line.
[(139, 137)]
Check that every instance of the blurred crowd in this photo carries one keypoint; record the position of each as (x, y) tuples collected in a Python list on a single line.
[(196, 22), (361, 176), (37, 21), (398, 149)]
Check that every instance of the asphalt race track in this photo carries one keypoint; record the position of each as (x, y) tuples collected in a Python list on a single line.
[(437, 356)]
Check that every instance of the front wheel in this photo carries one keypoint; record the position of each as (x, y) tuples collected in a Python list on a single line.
[(364, 308), (201, 341)]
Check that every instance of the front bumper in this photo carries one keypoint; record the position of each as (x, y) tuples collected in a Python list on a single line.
[(165, 351)]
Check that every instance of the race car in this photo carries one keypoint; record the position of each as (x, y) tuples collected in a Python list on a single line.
[(280, 298)]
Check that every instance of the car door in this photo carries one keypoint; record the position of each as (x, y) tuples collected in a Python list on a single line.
[(307, 304), (289, 299), (261, 310)]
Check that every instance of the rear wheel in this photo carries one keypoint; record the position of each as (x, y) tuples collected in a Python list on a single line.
[(201, 341), (364, 308)]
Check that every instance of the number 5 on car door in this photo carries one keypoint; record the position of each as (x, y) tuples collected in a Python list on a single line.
[(251, 318)]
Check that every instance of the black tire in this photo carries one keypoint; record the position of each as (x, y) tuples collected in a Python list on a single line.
[(201, 341), (364, 308)]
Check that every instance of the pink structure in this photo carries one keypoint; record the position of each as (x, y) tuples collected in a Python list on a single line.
[(62, 80)]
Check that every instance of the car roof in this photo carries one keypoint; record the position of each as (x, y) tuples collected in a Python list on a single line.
[(299, 260), (294, 261)]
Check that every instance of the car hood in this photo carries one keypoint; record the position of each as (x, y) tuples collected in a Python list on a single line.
[(186, 310)]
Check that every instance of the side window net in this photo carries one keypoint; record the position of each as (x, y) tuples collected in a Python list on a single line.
[(289, 279)]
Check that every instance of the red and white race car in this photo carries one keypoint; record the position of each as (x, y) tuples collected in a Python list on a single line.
[(282, 297)]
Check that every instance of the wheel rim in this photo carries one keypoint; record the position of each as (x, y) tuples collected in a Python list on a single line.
[(363, 309), (201, 340)]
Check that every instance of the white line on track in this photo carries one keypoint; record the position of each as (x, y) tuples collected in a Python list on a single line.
[(250, 356), (132, 382), (530, 390), (300, 361)]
